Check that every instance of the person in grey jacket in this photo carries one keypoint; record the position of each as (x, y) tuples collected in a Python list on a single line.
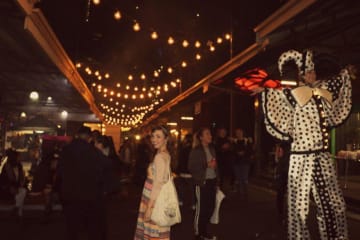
[(203, 168)]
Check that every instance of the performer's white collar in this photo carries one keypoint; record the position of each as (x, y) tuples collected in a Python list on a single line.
[(304, 93)]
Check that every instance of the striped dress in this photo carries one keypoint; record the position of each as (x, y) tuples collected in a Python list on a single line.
[(149, 230)]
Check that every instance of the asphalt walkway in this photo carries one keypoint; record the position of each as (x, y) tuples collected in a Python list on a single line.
[(255, 218)]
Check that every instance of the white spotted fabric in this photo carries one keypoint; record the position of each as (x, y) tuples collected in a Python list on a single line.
[(315, 174), (340, 87), (311, 168), (309, 64), (278, 114), (298, 58), (288, 56)]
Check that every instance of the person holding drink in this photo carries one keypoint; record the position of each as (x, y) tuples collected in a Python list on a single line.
[(203, 167)]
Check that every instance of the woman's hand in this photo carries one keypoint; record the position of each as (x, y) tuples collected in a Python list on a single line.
[(148, 211), (147, 215)]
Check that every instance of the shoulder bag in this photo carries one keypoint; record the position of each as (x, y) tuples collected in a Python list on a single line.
[(166, 211)]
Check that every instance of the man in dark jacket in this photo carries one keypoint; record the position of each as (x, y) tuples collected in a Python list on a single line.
[(82, 189)]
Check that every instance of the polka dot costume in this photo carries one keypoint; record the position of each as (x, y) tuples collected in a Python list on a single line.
[(303, 60), (311, 168)]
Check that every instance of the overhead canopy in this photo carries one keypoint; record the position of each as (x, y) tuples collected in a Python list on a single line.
[(26, 66)]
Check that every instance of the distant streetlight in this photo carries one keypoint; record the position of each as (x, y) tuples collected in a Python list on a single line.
[(34, 95), (64, 114)]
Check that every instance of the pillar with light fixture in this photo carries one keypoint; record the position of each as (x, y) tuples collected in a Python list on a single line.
[(257, 135)]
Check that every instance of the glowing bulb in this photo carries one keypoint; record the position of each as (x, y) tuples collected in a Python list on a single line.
[(143, 77), (117, 15), (107, 75), (171, 41), (118, 85), (154, 35), (96, 2), (170, 70), (156, 74), (136, 27), (64, 114), (78, 65), (198, 56), (219, 40), (183, 64), (227, 36), (185, 43), (212, 48), (197, 44), (34, 95), (130, 77)]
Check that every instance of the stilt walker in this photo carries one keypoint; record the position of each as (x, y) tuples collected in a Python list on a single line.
[(304, 115)]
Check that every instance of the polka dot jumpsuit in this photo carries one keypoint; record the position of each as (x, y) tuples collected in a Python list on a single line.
[(311, 168)]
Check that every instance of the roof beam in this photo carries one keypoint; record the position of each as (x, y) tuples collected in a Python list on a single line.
[(281, 16), (222, 71), (37, 25)]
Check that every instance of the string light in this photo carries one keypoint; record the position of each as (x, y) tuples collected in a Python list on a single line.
[(136, 27), (117, 15), (96, 2), (154, 35), (171, 41), (185, 43), (132, 120)]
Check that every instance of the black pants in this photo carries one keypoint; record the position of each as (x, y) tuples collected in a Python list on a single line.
[(89, 216), (205, 204)]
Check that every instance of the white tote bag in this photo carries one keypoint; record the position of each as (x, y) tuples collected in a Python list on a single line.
[(218, 199), (166, 210)]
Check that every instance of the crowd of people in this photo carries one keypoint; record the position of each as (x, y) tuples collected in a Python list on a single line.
[(83, 172)]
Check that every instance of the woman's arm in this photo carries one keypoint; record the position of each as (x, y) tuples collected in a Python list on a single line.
[(161, 175)]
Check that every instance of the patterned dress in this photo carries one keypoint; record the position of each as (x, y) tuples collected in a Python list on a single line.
[(149, 230), (304, 116)]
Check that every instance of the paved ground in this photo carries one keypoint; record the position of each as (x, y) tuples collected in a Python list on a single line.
[(243, 220)]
